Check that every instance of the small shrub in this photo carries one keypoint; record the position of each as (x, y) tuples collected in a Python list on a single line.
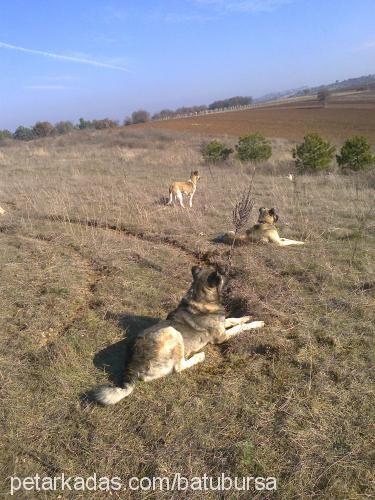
[(5, 134), (43, 129), (64, 127), (103, 124), (140, 116), (82, 124), (127, 121), (323, 96), (314, 154), (215, 151), (253, 148), (356, 154), (23, 133)]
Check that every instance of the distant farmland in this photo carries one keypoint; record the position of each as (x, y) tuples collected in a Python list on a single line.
[(344, 116)]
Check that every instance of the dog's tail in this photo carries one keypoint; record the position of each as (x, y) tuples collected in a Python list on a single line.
[(110, 395), (107, 395)]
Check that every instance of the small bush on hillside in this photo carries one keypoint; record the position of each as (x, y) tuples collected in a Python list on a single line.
[(82, 124), (140, 116), (215, 151), (43, 129), (356, 154), (103, 124), (253, 148), (323, 96), (23, 133), (5, 134), (314, 154), (64, 127)]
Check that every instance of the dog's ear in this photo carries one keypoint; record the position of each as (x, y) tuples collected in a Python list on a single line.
[(214, 279), (275, 212), (261, 209), (196, 173), (195, 270)]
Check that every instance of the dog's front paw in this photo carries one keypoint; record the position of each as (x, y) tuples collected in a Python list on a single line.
[(200, 356), (257, 324)]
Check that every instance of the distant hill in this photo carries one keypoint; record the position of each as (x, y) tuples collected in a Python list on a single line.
[(359, 83), (282, 94)]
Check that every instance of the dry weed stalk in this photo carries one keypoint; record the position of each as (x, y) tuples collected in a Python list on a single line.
[(240, 216)]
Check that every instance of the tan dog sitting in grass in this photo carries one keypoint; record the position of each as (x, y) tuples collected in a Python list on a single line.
[(178, 189), (264, 231)]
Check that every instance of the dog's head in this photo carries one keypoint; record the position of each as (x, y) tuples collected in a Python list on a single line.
[(268, 215), (194, 174), (207, 284)]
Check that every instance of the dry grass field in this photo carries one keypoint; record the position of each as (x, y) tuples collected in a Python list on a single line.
[(343, 116), (89, 252)]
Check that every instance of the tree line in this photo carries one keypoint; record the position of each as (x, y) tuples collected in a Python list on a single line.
[(47, 129), (186, 110)]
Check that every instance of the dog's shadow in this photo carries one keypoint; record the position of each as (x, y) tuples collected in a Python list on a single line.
[(218, 239), (163, 201), (228, 242), (112, 359)]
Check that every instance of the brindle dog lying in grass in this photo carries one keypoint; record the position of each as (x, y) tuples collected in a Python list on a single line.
[(174, 344)]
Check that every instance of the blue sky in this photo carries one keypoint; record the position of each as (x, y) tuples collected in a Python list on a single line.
[(97, 58)]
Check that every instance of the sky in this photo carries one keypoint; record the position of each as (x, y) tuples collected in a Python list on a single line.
[(62, 60)]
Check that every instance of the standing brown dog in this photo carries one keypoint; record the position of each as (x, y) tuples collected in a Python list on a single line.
[(178, 189)]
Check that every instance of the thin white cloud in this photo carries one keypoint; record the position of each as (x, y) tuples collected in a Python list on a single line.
[(366, 45), (48, 87), (62, 57), (244, 5), (370, 44), (62, 78), (115, 14), (182, 18)]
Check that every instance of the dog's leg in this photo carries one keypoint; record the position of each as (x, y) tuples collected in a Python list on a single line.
[(179, 197), (170, 198), (188, 363), (235, 330), (236, 321), (283, 242), (191, 200)]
